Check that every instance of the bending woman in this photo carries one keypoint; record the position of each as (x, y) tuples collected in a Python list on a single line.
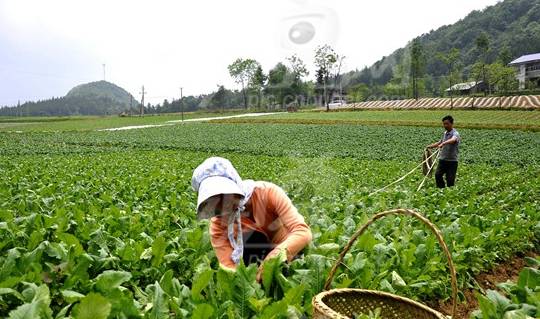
[(249, 221)]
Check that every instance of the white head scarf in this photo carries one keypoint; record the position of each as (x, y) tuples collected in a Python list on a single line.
[(218, 166)]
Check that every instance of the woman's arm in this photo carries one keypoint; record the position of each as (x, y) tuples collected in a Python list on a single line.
[(299, 233)]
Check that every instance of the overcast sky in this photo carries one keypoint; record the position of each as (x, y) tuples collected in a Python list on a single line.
[(47, 47)]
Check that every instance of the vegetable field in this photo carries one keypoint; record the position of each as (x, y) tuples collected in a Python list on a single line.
[(88, 123), (522, 120), (102, 224)]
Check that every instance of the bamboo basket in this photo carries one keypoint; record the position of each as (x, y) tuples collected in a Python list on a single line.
[(348, 302)]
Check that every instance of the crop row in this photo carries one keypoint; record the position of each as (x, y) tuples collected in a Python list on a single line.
[(494, 147)]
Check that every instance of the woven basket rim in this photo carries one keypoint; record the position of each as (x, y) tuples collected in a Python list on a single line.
[(319, 305)]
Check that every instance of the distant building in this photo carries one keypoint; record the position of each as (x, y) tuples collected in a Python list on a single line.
[(467, 88), (528, 67)]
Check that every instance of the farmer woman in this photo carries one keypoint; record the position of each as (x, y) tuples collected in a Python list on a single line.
[(249, 221)]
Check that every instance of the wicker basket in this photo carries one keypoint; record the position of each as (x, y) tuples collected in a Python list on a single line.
[(347, 303)]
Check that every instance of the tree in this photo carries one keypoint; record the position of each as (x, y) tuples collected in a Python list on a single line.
[(166, 105), (505, 55), (320, 80), (337, 74), (325, 60), (418, 65), (502, 77), (279, 87), (482, 46), (219, 99), (257, 84), (358, 92), (398, 85), (451, 60), (242, 71), (299, 71)]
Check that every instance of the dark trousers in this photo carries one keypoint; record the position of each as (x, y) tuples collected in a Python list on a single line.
[(448, 168)]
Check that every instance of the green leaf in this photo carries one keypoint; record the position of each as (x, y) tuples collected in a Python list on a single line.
[(93, 306), (275, 310), (500, 301), (10, 291), (146, 254), (271, 268), (110, 279), (244, 288), (123, 303), (71, 240), (487, 308), (71, 296), (529, 278), (386, 286), (63, 312), (397, 281), (160, 309), (201, 282), (294, 295), (367, 242), (38, 306), (259, 304), (533, 262), (169, 284), (328, 248), (203, 311), (158, 250), (516, 314), (224, 280), (25, 311)]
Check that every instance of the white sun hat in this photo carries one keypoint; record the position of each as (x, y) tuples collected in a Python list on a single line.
[(215, 176)]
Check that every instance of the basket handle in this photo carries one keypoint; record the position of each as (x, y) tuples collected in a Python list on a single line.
[(407, 212)]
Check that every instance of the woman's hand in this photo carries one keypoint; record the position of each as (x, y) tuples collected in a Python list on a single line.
[(281, 254), (259, 273)]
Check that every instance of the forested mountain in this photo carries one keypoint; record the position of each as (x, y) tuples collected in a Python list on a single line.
[(512, 28)]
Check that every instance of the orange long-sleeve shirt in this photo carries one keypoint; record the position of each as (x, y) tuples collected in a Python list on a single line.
[(272, 214)]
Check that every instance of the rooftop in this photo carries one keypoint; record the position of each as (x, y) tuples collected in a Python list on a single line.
[(463, 86), (526, 58)]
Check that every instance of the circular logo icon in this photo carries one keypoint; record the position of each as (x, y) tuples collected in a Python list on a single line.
[(302, 32)]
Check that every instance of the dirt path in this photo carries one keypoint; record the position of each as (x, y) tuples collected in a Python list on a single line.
[(488, 280), (202, 119)]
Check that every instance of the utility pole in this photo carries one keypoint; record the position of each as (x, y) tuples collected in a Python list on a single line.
[(142, 101), (130, 104), (103, 71), (182, 102)]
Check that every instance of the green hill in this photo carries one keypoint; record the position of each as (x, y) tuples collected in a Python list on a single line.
[(95, 98), (101, 89), (513, 29)]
